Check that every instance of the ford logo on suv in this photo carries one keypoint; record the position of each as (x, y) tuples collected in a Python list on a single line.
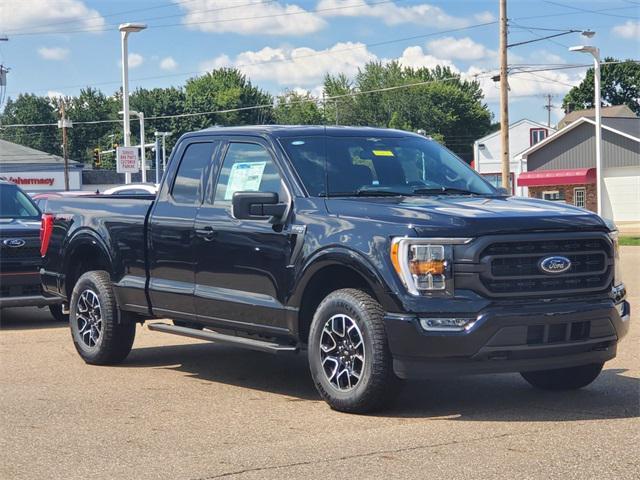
[(13, 242), (555, 264)]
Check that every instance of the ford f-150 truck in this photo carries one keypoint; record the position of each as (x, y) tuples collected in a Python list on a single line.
[(378, 252), (20, 259)]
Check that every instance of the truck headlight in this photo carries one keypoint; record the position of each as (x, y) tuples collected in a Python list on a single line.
[(617, 280), (424, 265)]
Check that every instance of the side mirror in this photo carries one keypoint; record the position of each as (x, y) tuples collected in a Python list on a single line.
[(503, 191), (257, 205)]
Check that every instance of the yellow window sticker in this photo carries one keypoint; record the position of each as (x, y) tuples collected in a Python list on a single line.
[(383, 153)]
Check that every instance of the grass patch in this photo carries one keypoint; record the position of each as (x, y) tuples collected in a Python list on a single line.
[(630, 241)]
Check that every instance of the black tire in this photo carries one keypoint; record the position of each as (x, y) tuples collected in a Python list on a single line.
[(377, 385), (113, 342), (57, 314), (570, 378)]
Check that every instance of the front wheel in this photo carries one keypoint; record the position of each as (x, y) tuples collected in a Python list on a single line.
[(570, 378), (349, 356), (97, 334)]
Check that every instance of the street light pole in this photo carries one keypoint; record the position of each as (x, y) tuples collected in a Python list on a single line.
[(595, 53), (143, 162), (125, 29)]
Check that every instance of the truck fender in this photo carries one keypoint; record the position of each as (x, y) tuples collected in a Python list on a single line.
[(351, 259)]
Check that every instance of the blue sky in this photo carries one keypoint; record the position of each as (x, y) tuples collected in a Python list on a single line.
[(58, 46)]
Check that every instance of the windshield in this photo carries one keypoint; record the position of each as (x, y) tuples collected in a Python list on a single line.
[(14, 203), (368, 166)]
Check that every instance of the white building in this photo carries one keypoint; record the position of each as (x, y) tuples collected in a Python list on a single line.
[(486, 152), (34, 170)]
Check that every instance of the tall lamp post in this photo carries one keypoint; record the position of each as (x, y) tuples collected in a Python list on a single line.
[(595, 53), (125, 30)]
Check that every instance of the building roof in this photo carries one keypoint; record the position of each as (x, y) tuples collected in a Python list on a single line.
[(630, 126), (615, 111), (13, 153), (633, 136), (515, 124)]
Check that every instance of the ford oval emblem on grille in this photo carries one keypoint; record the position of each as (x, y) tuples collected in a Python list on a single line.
[(13, 242), (555, 264)]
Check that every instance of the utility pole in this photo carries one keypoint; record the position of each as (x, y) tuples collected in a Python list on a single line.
[(504, 97), (63, 124), (547, 107)]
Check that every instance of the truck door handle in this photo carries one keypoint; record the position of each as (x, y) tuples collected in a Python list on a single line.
[(208, 233)]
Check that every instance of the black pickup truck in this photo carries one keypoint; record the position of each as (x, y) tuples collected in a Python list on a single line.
[(378, 252)]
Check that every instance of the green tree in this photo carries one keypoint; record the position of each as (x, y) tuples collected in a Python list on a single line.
[(436, 100), (91, 106), (620, 85), (31, 109), (339, 101), (159, 102), (295, 108), (225, 89)]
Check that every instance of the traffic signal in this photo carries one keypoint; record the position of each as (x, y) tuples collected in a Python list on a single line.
[(96, 158)]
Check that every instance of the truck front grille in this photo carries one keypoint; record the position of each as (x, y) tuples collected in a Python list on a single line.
[(511, 268)]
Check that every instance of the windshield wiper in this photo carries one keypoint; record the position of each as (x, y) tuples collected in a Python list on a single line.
[(378, 192), (444, 191), (367, 192)]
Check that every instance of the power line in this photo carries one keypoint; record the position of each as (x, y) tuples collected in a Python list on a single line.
[(261, 106), (284, 60), (66, 22), (586, 10), (218, 21), (547, 15)]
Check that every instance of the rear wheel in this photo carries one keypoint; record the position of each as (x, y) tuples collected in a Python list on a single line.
[(97, 335), (349, 356), (570, 378)]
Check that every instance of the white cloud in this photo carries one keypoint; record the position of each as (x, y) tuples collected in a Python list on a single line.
[(629, 29), (392, 14), (299, 67), (484, 17), (168, 63), (415, 57), (526, 84), (47, 15), (53, 53), (272, 18), (544, 56), (135, 60), (54, 94), (459, 48)]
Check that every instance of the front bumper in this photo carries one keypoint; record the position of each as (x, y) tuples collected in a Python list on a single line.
[(510, 337)]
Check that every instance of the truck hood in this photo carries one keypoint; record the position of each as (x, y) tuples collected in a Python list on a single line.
[(19, 227), (465, 216)]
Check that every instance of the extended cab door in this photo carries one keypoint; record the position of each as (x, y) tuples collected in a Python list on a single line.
[(171, 251), (242, 276)]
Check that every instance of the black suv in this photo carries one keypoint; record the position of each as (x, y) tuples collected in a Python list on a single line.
[(378, 252)]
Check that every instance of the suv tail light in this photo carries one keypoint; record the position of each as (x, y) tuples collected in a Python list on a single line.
[(46, 229)]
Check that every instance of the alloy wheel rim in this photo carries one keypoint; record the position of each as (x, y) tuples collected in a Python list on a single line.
[(342, 352), (89, 318)]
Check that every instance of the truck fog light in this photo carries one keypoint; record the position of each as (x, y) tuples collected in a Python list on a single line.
[(447, 324)]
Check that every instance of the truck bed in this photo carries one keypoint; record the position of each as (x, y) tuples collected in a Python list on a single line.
[(118, 223)]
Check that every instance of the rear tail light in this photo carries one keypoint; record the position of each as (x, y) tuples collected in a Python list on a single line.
[(46, 228)]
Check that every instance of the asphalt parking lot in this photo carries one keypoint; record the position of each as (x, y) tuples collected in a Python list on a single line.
[(182, 409)]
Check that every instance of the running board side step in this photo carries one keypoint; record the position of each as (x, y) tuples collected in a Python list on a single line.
[(249, 343)]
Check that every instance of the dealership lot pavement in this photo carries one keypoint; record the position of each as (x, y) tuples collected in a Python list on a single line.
[(182, 409)]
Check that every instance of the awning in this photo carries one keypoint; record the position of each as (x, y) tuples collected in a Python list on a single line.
[(543, 178)]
